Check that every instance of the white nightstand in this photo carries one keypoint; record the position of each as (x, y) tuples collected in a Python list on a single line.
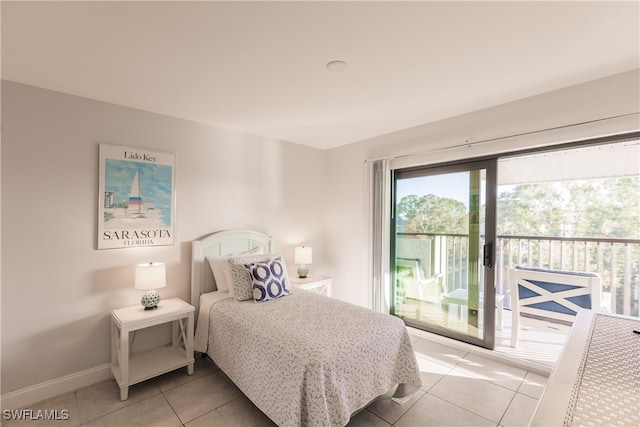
[(127, 369), (314, 283)]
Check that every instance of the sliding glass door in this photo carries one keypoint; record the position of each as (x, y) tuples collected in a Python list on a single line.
[(443, 235)]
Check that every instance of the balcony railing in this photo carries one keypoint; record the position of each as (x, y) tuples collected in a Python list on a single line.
[(617, 261)]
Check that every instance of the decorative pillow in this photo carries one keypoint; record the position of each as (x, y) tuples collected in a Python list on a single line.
[(241, 286), (221, 271), (270, 279)]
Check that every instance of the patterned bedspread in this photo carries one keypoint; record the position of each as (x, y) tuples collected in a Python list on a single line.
[(309, 360)]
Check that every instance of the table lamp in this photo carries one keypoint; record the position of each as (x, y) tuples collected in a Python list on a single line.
[(302, 256), (149, 277)]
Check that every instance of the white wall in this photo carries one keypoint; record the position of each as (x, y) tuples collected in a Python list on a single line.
[(573, 113), (57, 288)]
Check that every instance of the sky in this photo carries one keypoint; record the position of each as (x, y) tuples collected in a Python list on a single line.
[(452, 185), (155, 181)]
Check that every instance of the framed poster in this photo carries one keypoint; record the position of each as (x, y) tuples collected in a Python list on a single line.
[(136, 197)]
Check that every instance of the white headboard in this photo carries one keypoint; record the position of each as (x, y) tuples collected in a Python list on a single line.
[(217, 244)]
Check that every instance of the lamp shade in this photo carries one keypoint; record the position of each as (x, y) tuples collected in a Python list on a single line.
[(302, 255), (150, 276)]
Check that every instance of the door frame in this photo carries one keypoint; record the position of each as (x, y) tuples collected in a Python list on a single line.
[(490, 164)]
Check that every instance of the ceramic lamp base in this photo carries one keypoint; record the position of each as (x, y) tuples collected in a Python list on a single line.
[(150, 299), (303, 270)]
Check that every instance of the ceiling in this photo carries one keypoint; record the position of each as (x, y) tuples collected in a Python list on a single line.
[(260, 67)]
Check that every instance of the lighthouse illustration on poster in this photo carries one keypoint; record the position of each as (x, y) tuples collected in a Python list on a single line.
[(137, 203)]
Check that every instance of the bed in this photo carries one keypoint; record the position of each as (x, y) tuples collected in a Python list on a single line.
[(302, 358)]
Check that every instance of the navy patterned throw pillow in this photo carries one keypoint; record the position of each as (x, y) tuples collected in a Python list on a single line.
[(270, 279)]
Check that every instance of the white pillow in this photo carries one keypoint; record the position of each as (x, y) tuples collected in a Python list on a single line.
[(221, 270)]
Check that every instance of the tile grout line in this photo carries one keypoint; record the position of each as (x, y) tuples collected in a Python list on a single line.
[(122, 408), (407, 411), (515, 392), (508, 406)]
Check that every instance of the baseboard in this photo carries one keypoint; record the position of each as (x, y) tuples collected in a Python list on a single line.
[(48, 389)]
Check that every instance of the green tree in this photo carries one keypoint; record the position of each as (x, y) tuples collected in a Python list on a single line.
[(613, 210), (531, 210), (589, 208), (433, 214)]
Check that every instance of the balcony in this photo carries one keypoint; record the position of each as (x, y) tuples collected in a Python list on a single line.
[(616, 261)]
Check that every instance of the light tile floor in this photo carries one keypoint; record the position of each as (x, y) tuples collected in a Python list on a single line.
[(540, 342), (459, 389)]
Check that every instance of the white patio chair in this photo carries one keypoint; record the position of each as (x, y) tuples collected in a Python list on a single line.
[(550, 295), (416, 285)]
